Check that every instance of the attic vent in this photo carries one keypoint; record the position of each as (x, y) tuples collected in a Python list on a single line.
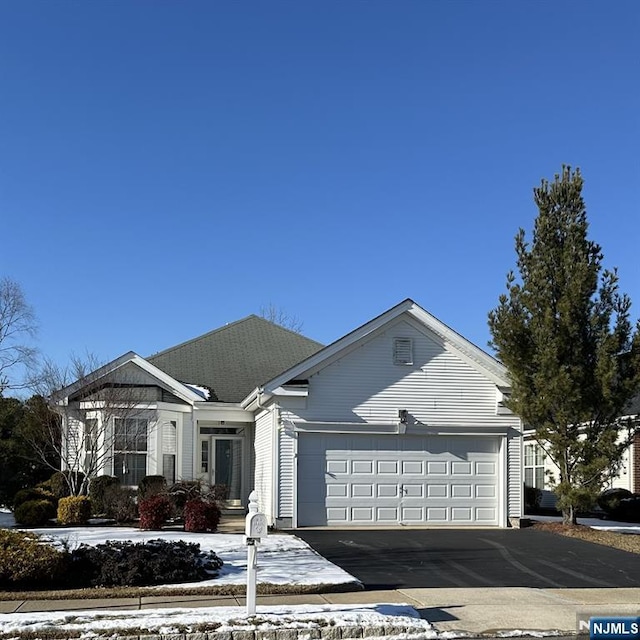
[(402, 351)]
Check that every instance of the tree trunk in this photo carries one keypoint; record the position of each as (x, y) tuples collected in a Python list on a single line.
[(569, 516)]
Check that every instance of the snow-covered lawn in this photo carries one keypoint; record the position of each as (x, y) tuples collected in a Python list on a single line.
[(282, 559), (168, 621)]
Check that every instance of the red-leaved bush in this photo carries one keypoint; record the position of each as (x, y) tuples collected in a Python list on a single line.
[(201, 515), (154, 511)]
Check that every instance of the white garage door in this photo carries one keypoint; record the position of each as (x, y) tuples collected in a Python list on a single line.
[(397, 479)]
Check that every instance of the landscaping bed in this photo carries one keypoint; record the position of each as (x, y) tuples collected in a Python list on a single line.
[(624, 541)]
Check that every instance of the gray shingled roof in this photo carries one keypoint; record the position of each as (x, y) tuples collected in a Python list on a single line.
[(633, 408), (237, 358)]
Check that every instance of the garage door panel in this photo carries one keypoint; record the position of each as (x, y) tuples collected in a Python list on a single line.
[(397, 479), (362, 466), (387, 490), (436, 468), (461, 468), (387, 467)]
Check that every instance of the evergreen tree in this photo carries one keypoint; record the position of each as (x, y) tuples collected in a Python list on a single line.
[(19, 466), (563, 331)]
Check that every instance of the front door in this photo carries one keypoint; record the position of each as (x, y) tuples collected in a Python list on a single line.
[(221, 466)]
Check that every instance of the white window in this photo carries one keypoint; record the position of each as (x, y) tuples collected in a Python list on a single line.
[(130, 450), (533, 465), (169, 437), (90, 444), (402, 351)]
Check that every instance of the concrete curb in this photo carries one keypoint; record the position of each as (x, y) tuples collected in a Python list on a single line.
[(330, 632)]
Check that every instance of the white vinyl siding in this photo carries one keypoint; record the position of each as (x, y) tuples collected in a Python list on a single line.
[(264, 463), (514, 478), (186, 463), (440, 390), (286, 470)]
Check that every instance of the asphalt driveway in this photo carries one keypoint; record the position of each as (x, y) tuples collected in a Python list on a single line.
[(423, 558)]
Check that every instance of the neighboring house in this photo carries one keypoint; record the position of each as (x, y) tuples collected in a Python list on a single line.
[(400, 421), (539, 470)]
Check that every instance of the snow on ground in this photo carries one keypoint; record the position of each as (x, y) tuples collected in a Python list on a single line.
[(167, 621), (6, 518), (595, 523), (282, 559)]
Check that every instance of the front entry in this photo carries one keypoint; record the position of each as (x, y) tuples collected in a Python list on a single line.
[(221, 466)]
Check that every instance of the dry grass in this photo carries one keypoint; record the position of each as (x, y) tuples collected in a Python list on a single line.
[(142, 592), (624, 541)]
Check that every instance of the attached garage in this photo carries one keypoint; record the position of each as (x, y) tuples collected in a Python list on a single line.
[(400, 422), (359, 480)]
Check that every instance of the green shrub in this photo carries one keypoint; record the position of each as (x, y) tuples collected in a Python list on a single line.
[(151, 486), (630, 508), (142, 564), (120, 504), (201, 515), (28, 495), (97, 489), (610, 501), (25, 560), (34, 513), (154, 511), (74, 510), (58, 483)]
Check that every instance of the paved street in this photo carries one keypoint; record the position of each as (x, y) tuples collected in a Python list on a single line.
[(427, 558)]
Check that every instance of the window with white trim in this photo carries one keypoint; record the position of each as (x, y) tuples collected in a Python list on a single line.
[(90, 444), (402, 351), (533, 465), (130, 450)]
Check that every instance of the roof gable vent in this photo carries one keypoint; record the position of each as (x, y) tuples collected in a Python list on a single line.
[(402, 351)]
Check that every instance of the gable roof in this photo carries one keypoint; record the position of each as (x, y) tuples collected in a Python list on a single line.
[(234, 359), (93, 378), (476, 357)]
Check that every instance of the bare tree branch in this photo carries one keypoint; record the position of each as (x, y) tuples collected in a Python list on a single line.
[(279, 316), (97, 417), (17, 327)]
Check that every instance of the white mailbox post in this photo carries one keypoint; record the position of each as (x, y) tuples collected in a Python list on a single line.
[(255, 530)]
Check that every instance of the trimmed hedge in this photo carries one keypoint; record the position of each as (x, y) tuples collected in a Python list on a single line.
[(97, 490), (27, 561), (142, 564), (120, 503), (58, 485), (154, 511), (610, 501), (34, 513), (74, 510), (201, 515), (150, 486), (28, 495)]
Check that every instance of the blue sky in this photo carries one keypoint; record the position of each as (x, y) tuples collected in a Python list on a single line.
[(167, 167)]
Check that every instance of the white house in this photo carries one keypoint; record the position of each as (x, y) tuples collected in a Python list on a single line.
[(541, 472), (400, 421)]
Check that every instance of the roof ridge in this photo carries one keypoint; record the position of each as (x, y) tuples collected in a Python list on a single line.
[(204, 335), (228, 326), (291, 331)]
